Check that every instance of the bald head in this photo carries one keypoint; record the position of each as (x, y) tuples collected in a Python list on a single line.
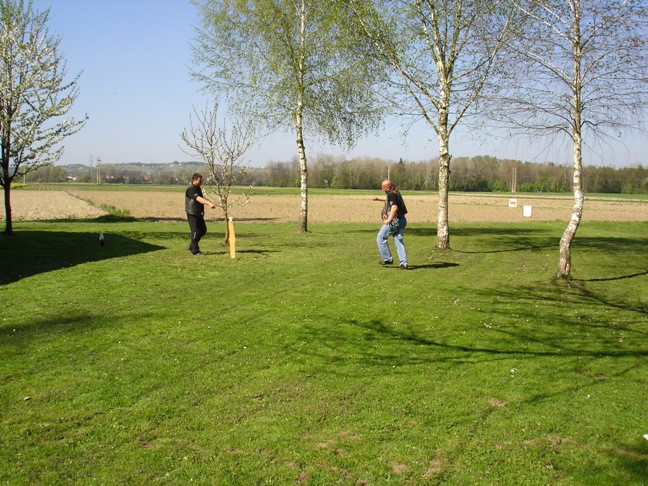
[(386, 185)]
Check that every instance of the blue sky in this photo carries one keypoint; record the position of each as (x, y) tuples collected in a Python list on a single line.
[(134, 56)]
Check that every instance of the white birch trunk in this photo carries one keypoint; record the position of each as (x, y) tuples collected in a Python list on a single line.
[(299, 127), (303, 171), (443, 228), (564, 264)]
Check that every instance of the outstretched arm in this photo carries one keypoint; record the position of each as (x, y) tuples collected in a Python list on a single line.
[(203, 200)]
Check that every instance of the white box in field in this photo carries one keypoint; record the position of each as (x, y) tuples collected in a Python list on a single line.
[(526, 212), (512, 202)]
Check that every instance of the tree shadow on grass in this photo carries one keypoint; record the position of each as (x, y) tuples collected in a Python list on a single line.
[(609, 279), (219, 220), (535, 321), (535, 239), (519, 245), (505, 238), (375, 347), (29, 253), (494, 229), (611, 244), (225, 251), (65, 322), (437, 265), (106, 218), (257, 252), (382, 344)]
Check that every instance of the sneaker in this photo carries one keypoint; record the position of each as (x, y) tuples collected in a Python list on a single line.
[(404, 266), (386, 262), (199, 253)]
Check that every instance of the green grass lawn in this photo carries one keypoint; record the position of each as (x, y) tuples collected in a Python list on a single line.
[(305, 361)]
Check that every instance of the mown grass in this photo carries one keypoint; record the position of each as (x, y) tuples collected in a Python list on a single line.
[(304, 361)]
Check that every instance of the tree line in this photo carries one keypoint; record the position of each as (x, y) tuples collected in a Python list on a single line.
[(469, 174), (482, 173)]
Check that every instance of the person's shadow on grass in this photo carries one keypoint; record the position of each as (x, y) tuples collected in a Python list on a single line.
[(429, 266)]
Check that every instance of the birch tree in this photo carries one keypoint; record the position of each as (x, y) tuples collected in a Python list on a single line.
[(441, 55), (34, 95), (222, 147), (580, 69), (290, 65)]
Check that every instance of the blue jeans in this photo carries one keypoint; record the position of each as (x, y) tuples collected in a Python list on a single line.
[(396, 228)]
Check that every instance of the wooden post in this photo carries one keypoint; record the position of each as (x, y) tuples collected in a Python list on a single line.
[(232, 237)]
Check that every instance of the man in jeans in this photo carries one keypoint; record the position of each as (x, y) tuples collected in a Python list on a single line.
[(394, 223), (195, 207)]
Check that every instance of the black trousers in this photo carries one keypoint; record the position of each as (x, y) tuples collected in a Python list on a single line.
[(198, 230)]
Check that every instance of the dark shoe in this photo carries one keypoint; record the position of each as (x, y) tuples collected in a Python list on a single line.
[(404, 267), (199, 253), (386, 262)]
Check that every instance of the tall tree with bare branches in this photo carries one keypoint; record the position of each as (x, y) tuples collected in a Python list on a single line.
[(34, 95), (288, 64), (579, 72), (222, 146), (441, 55)]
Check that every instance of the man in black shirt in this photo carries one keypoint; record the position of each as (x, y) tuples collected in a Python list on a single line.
[(195, 208), (394, 223)]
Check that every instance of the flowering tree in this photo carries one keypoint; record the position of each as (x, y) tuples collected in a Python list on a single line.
[(33, 96)]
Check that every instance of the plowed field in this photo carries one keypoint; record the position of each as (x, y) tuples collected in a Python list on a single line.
[(167, 205), (43, 205)]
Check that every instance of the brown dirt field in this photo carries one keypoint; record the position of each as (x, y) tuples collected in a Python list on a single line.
[(35, 205), (43, 205)]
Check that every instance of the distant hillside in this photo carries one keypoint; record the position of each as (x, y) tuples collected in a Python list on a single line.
[(132, 172), (128, 166)]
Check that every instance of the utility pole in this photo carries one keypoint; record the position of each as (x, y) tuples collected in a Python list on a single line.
[(98, 169)]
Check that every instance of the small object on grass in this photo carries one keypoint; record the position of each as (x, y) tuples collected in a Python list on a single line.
[(101, 239), (646, 436)]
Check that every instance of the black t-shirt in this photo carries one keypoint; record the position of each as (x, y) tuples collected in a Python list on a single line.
[(191, 205), (395, 198)]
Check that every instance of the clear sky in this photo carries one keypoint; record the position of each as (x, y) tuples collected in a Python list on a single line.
[(135, 87)]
